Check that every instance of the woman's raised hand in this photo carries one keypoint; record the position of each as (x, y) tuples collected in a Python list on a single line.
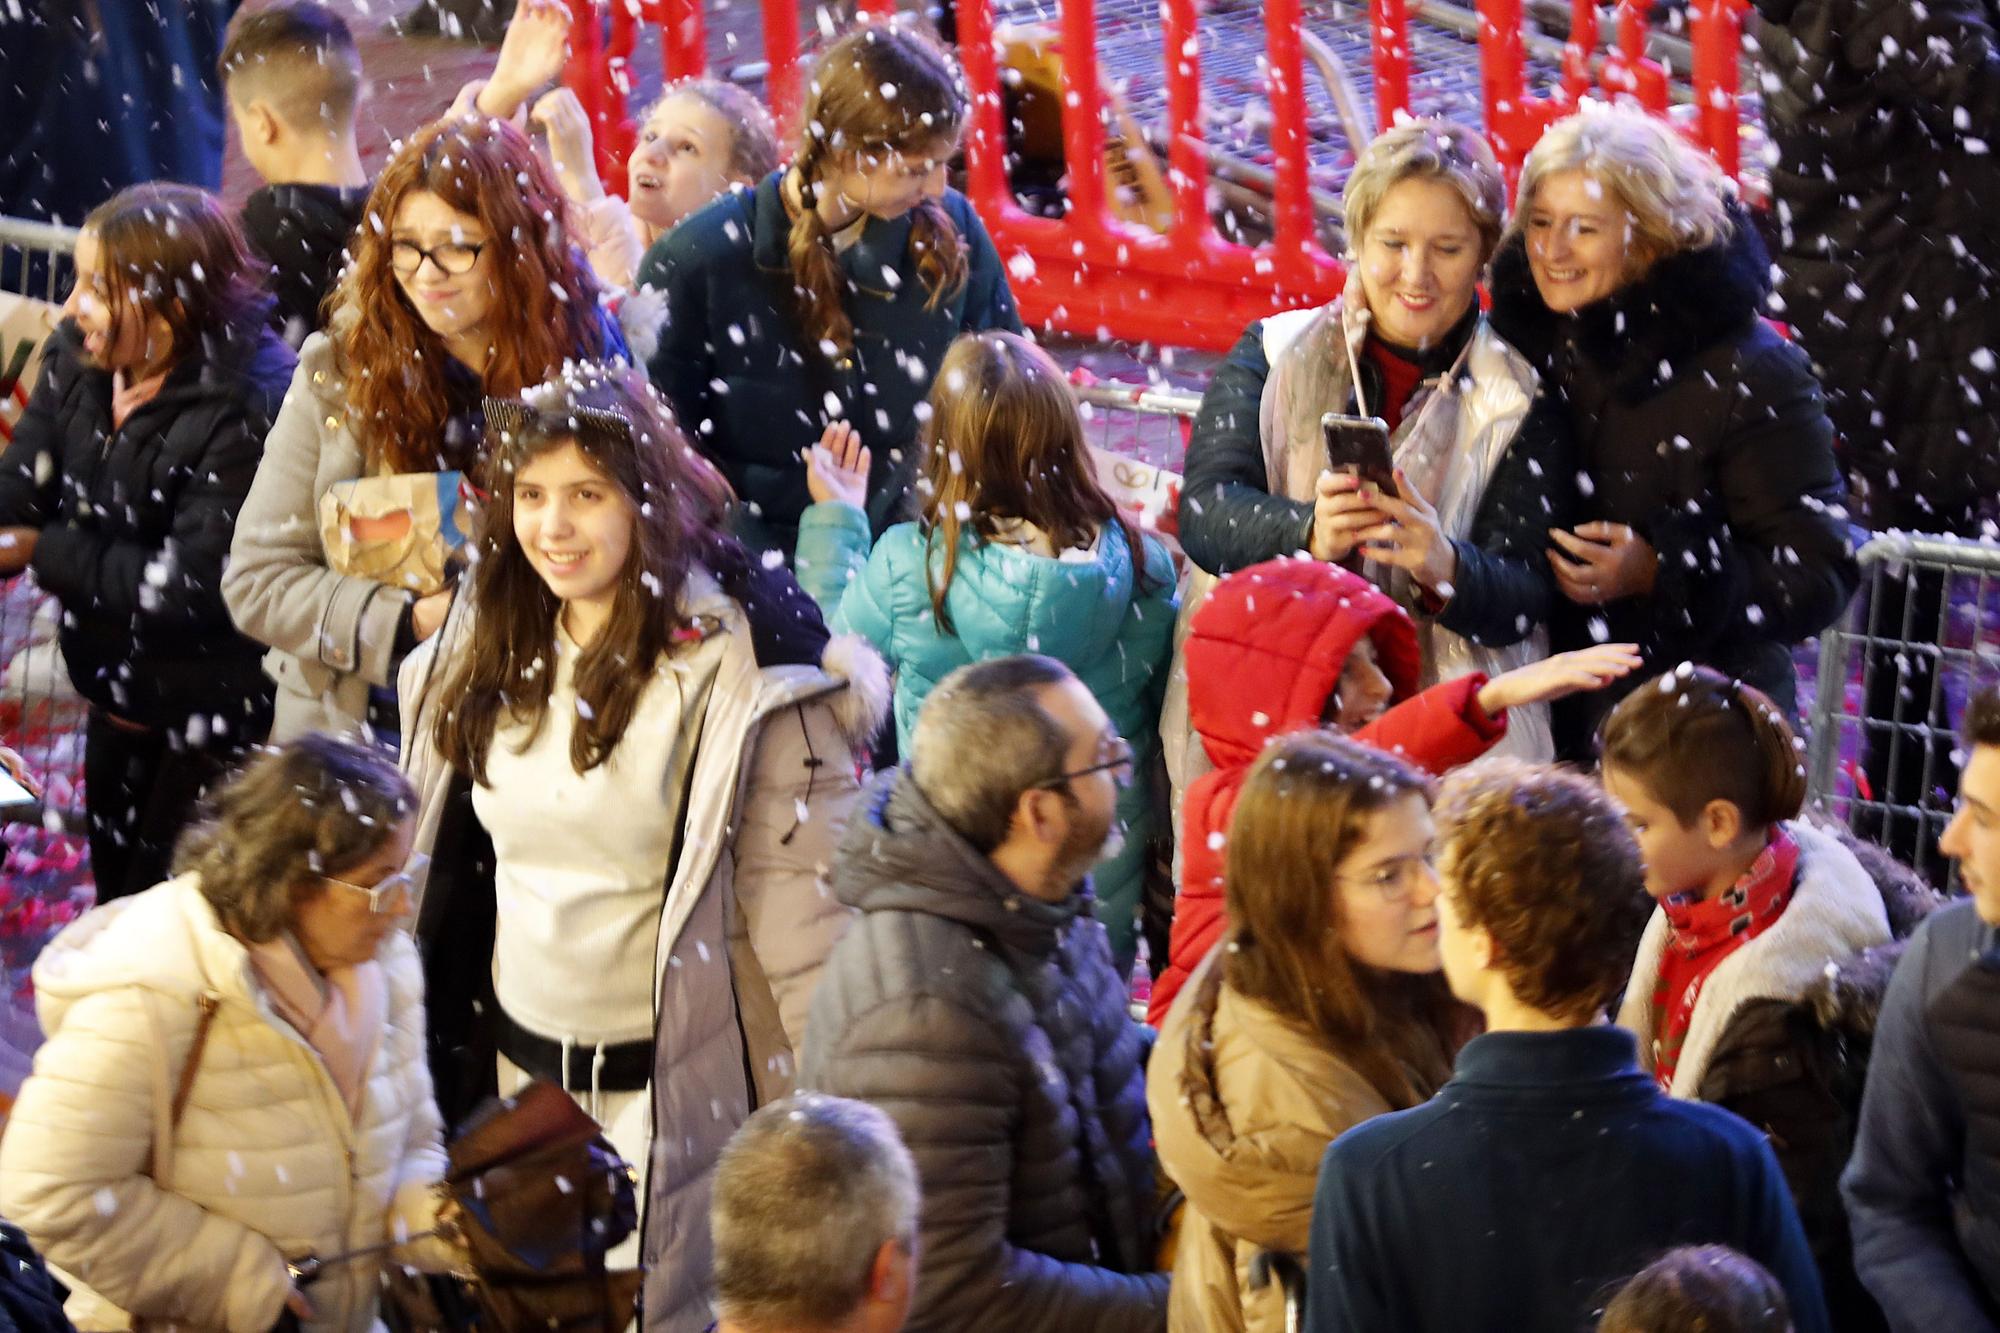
[(1412, 539), (1342, 511), (562, 118), (531, 55), (837, 467)]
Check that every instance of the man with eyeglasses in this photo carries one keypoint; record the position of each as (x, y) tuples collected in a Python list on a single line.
[(1923, 1186), (975, 1001)]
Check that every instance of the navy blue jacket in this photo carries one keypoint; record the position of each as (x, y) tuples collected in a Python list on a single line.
[(1923, 1187), (1549, 1168), (752, 395)]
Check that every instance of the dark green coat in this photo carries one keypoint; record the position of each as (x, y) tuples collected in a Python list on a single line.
[(750, 391)]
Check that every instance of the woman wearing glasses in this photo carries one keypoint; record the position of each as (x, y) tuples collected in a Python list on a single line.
[(1327, 1007), (464, 283), (234, 1076)]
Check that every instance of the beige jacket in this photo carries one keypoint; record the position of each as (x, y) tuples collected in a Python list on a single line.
[(747, 920), (1243, 1104), (331, 635), (267, 1163)]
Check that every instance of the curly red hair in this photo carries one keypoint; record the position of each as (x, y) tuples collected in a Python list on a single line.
[(545, 310)]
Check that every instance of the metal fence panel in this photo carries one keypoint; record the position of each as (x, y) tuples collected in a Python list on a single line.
[(1894, 675)]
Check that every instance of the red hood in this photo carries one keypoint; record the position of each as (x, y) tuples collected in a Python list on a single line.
[(1266, 650)]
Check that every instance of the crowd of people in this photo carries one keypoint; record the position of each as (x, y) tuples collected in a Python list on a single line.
[(676, 645)]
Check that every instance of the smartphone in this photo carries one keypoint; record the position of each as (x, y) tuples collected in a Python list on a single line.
[(1359, 445)]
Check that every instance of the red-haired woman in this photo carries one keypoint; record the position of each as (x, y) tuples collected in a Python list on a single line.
[(464, 283), (120, 489)]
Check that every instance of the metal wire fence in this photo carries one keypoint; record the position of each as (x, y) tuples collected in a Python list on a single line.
[(1894, 675)]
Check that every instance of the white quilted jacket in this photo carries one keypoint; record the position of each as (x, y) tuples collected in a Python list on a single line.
[(266, 1164)]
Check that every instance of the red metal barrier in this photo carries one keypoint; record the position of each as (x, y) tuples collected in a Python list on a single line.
[(1090, 272)]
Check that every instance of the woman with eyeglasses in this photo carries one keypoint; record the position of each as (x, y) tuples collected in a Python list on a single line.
[(464, 282), (234, 1077), (1327, 1006)]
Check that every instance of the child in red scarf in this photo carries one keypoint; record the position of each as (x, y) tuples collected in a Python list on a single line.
[(1755, 908)]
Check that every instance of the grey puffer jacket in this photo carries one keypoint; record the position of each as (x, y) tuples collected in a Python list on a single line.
[(992, 1027)]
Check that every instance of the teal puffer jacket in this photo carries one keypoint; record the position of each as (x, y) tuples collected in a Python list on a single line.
[(1114, 631)]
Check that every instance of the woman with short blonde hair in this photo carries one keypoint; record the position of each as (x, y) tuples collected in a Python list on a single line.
[(1716, 525), (1485, 459)]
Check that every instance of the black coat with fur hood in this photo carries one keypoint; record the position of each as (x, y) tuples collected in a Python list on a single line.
[(1702, 428)]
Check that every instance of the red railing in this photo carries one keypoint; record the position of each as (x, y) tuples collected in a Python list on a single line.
[(1092, 272)]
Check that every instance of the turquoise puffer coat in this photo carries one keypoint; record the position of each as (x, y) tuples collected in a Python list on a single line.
[(1115, 632)]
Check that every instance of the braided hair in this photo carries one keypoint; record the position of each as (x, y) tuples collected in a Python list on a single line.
[(883, 89)]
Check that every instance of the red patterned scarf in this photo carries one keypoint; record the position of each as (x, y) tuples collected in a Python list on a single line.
[(1702, 934)]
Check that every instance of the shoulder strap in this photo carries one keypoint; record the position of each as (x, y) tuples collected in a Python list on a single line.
[(206, 1004)]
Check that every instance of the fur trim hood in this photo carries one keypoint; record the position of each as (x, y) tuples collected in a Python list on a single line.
[(862, 709), (1647, 331)]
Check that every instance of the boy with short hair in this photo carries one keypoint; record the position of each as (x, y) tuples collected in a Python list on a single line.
[(293, 77), (1551, 1164)]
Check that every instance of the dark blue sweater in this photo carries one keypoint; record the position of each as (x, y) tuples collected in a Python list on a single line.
[(1547, 1169)]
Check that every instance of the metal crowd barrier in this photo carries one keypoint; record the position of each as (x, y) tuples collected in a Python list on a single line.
[(41, 717), (1894, 675)]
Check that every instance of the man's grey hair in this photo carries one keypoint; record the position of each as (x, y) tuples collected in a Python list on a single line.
[(982, 738), (806, 1194)]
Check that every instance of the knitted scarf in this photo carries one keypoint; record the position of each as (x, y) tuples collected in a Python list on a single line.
[(1702, 934)]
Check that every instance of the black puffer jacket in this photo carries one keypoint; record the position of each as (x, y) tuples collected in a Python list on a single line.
[(1705, 431), (1887, 227), (993, 1028), (135, 524)]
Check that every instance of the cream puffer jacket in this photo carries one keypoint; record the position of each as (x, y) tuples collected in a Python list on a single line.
[(267, 1163)]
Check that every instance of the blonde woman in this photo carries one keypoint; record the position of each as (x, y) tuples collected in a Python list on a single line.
[(1484, 457), (1715, 524)]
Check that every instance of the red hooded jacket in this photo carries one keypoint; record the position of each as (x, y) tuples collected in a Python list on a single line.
[(1264, 654)]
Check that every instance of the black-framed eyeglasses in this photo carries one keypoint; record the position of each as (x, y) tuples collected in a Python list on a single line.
[(452, 258), (402, 881), (1120, 766)]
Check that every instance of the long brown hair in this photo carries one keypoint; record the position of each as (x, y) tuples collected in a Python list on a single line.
[(885, 88), (1695, 735), (677, 502), (544, 308), (175, 251), (1004, 441), (1304, 807)]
